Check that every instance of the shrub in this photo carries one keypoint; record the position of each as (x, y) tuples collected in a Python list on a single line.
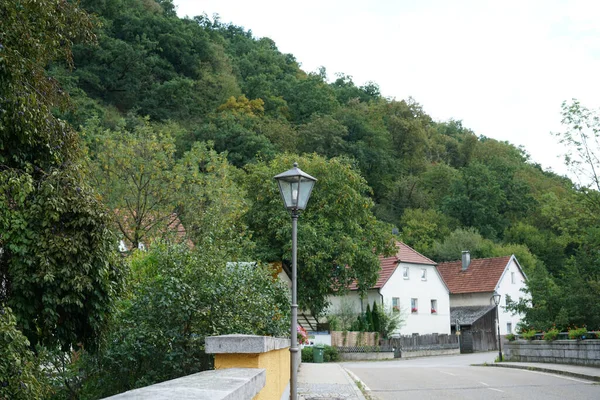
[(510, 337), (307, 354), (529, 334), (577, 333), (551, 335), (331, 354)]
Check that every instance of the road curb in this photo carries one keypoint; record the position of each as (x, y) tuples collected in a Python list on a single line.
[(355, 380), (547, 370)]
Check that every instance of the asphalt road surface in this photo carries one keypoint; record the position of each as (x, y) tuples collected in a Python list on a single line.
[(453, 377)]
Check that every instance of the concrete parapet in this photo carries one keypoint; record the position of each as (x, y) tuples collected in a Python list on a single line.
[(250, 351), (228, 344), (230, 384)]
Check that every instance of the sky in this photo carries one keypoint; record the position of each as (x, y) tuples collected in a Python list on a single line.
[(501, 67)]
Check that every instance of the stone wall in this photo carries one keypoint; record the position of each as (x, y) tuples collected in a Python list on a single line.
[(578, 352)]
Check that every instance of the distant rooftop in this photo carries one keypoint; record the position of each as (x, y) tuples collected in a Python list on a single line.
[(482, 275)]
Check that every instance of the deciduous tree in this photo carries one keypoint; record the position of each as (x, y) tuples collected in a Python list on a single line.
[(339, 237)]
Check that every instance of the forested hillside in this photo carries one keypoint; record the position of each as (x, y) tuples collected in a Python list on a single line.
[(120, 120), (159, 78)]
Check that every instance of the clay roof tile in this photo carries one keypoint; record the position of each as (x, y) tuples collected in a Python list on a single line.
[(482, 275)]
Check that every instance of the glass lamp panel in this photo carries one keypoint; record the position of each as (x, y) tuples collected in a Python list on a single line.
[(285, 187), (496, 298), (306, 186)]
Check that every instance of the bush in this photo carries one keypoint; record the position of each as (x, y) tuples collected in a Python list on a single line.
[(529, 334), (307, 354), (331, 354), (510, 337), (578, 333), (551, 335)]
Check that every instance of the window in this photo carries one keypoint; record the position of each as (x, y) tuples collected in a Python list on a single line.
[(512, 278), (509, 327), (405, 272), (396, 304), (434, 306), (414, 306), (423, 274)]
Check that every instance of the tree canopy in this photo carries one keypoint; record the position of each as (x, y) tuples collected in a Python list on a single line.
[(340, 238)]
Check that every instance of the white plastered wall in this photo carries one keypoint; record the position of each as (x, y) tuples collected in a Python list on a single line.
[(423, 322), (507, 287)]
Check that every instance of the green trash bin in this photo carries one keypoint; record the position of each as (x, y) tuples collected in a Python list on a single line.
[(318, 351)]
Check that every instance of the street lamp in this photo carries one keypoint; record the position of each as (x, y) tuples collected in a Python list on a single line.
[(496, 297), (295, 187)]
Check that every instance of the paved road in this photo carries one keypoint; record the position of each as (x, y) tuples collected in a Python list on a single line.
[(453, 377)]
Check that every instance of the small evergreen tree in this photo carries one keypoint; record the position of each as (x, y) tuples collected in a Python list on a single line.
[(375, 317)]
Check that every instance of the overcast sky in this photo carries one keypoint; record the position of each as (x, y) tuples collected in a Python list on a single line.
[(502, 67)]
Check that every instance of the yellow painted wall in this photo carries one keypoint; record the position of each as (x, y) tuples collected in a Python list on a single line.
[(276, 363)]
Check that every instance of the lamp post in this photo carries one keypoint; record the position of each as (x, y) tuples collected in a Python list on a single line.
[(295, 187), (496, 297)]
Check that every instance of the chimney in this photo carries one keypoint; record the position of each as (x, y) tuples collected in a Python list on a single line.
[(466, 259)]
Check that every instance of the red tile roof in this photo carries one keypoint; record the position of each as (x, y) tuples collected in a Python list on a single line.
[(482, 275), (405, 254)]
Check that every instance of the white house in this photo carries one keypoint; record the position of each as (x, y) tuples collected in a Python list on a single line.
[(473, 282), (409, 283)]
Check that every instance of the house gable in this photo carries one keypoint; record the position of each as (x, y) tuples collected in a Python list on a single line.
[(506, 272), (389, 265)]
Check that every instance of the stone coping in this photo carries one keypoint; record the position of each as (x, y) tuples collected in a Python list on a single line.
[(232, 344), (222, 384)]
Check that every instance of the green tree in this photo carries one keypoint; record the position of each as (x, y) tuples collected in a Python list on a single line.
[(459, 240), (369, 143), (477, 200), (369, 318), (236, 129), (58, 268), (150, 191), (422, 228), (322, 135), (153, 62), (339, 237), (581, 139), (375, 313)]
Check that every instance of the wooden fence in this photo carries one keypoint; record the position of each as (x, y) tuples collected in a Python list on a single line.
[(354, 339)]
